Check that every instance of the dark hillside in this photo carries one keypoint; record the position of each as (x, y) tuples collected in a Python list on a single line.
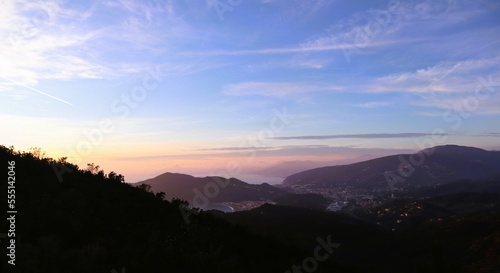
[(93, 222), (189, 188)]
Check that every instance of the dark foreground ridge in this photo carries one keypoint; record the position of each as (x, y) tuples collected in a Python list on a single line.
[(91, 222)]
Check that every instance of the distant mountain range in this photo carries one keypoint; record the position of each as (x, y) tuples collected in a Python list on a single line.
[(212, 189), (429, 167), (426, 173)]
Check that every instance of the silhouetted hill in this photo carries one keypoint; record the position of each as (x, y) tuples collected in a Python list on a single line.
[(428, 167), (409, 213), (404, 236), (213, 189), (93, 222), (468, 202), (300, 225), (491, 185)]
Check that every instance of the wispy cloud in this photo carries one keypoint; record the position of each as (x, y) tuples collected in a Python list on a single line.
[(41, 42), (442, 78), (464, 106), (490, 134), (264, 148), (297, 10), (56, 40), (375, 29), (277, 89), (266, 152), (373, 104), (360, 136), (279, 50)]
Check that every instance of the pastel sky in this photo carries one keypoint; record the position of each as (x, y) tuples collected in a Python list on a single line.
[(253, 89)]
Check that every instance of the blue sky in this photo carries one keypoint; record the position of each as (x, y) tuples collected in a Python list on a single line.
[(237, 87)]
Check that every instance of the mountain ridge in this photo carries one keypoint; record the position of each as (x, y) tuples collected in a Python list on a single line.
[(425, 168), (437, 165), (210, 188)]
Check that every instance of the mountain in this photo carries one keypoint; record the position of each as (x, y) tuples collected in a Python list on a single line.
[(76, 220), (428, 167), (287, 168), (213, 189)]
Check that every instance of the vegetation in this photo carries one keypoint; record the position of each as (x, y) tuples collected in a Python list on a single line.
[(93, 222)]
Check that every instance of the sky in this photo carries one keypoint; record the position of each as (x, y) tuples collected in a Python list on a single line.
[(251, 89)]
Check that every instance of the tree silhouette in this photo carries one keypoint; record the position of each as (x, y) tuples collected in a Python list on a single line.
[(93, 168)]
